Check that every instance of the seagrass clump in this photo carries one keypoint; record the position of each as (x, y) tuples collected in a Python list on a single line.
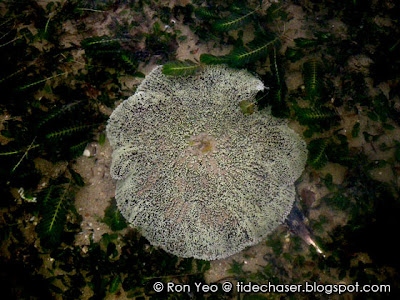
[(197, 176)]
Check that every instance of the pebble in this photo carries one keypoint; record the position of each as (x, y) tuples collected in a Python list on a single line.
[(86, 153)]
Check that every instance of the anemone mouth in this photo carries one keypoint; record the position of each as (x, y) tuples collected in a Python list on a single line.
[(200, 155), (202, 144)]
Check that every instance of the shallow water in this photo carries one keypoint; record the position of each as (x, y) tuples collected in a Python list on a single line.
[(69, 64)]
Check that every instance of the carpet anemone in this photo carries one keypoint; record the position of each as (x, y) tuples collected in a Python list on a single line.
[(197, 176)]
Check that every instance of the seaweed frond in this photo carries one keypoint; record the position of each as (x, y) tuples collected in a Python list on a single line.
[(312, 79), (67, 131), (209, 59), (18, 151), (278, 87), (54, 203), (275, 67), (78, 179), (278, 95), (255, 50), (317, 157), (312, 115), (205, 13), (113, 217), (234, 21), (274, 12), (180, 68), (101, 41), (29, 85), (77, 149), (306, 43), (129, 62), (55, 113), (294, 54), (105, 48)]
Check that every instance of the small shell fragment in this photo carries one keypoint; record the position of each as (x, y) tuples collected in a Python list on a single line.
[(86, 153)]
